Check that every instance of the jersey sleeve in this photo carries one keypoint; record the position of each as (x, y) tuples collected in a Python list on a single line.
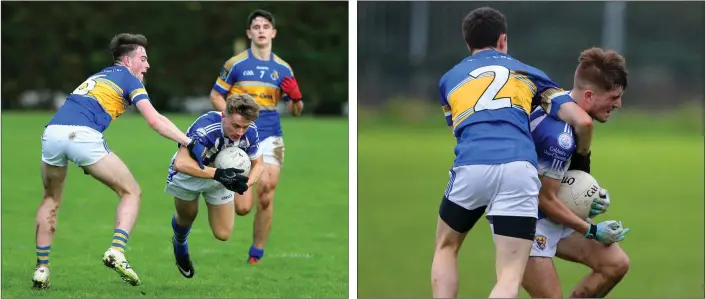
[(445, 106), (555, 151), (226, 78), (550, 96), (133, 90), (206, 130), (286, 71), (253, 150)]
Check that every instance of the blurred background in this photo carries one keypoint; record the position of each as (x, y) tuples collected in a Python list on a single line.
[(48, 48), (649, 154)]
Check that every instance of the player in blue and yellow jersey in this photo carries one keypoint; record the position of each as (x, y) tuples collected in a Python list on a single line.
[(189, 179), (487, 98), (75, 134), (267, 78), (598, 84)]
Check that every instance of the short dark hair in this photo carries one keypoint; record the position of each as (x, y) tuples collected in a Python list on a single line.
[(482, 27), (124, 43), (605, 69), (260, 13)]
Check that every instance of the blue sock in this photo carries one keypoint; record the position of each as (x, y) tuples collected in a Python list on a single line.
[(43, 255), (257, 253), (180, 236)]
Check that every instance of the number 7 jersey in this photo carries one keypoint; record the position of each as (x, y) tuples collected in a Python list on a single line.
[(487, 98)]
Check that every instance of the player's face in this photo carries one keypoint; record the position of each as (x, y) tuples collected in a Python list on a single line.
[(603, 103), (137, 62), (261, 32), (235, 126)]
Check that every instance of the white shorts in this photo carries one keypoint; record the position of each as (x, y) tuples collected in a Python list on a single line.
[(81, 145), (548, 234), (273, 150), (509, 189), (189, 188)]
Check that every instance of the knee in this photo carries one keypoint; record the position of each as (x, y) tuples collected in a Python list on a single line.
[(132, 190), (266, 187), (222, 233), (242, 210), (617, 267), (265, 196)]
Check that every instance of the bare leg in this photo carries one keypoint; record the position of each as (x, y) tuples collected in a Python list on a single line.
[(243, 203), (541, 279), (221, 219), (265, 210), (609, 264), (511, 258), (53, 178), (444, 269)]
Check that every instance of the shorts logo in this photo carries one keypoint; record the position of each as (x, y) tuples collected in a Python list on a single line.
[(541, 242), (565, 141), (226, 197)]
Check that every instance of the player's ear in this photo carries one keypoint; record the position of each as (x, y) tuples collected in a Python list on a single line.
[(588, 96), (249, 33), (502, 43), (274, 33)]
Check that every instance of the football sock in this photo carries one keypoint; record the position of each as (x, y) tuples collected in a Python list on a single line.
[(257, 253), (180, 235), (120, 238), (43, 255)]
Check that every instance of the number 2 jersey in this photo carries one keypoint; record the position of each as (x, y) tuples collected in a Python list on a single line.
[(102, 98), (244, 73), (487, 98), (555, 144), (209, 127)]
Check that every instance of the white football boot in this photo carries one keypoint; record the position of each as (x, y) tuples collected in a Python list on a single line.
[(41, 277), (115, 260)]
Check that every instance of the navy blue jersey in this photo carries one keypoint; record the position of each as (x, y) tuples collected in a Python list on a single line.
[(487, 98), (555, 144), (210, 126), (102, 98)]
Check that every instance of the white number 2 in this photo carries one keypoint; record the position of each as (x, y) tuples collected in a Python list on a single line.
[(488, 100)]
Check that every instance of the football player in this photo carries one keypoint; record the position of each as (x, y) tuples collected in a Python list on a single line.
[(75, 134), (598, 84), (487, 98), (188, 179)]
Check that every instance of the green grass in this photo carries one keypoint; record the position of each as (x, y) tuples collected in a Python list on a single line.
[(306, 256), (655, 178)]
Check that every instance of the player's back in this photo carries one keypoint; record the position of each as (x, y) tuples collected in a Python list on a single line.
[(99, 100), (555, 143), (487, 98)]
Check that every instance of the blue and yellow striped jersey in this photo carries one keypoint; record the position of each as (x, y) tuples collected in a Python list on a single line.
[(102, 98), (487, 98), (243, 73)]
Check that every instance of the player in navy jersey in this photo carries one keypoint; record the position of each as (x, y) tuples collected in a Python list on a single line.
[(188, 178), (75, 134), (267, 78), (487, 98), (599, 82)]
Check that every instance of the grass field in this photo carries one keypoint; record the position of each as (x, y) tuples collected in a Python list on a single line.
[(306, 256), (654, 171)]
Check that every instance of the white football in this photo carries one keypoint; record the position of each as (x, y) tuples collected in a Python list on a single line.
[(233, 157), (578, 189)]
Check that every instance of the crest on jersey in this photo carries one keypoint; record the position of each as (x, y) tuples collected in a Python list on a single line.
[(565, 141), (275, 75), (223, 74), (540, 241)]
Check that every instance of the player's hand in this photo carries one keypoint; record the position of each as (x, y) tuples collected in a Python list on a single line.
[(291, 88), (196, 150), (238, 187), (580, 162), (230, 177), (607, 232), (601, 203)]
